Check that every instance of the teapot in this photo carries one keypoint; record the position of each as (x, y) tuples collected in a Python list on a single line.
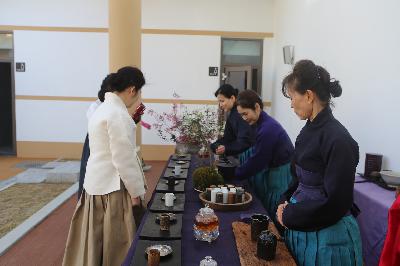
[(206, 225)]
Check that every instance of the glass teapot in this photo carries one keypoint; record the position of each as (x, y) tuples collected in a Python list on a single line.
[(206, 225), (208, 261)]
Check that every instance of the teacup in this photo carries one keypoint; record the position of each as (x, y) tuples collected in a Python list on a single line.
[(177, 170), (259, 223)]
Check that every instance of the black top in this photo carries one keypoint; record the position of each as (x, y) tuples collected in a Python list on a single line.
[(238, 135), (324, 146), (84, 159)]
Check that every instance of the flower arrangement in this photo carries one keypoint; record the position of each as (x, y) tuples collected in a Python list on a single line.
[(196, 127)]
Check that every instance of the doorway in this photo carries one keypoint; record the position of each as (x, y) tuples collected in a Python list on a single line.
[(7, 113), (241, 63), (238, 76), (6, 110)]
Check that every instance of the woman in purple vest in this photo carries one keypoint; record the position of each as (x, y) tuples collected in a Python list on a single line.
[(268, 166)]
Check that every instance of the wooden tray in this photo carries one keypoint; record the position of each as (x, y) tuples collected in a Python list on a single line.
[(247, 249), (151, 229), (163, 187), (228, 207), (168, 172), (184, 157), (174, 259), (173, 163), (158, 205)]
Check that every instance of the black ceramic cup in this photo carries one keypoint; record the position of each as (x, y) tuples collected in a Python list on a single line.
[(171, 181), (259, 223), (266, 245), (227, 167)]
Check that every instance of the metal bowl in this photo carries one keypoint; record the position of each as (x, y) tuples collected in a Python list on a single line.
[(165, 250), (391, 178)]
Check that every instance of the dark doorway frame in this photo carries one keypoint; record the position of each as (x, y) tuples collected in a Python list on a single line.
[(258, 67), (7, 56)]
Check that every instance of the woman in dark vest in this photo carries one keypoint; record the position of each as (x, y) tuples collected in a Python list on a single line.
[(238, 135), (316, 209)]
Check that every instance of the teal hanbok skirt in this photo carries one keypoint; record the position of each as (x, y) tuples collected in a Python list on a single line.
[(338, 244), (269, 184)]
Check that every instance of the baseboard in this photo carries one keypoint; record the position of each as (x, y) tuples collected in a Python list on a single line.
[(157, 152), (41, 149), (73, 150)]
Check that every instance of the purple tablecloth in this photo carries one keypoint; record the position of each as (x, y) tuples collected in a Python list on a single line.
[(374, 203), (223, 250), (131, 252)]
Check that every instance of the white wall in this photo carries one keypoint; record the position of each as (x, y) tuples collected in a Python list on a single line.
[(357, 41), (268, 71), (50, 13), (58, 63), (180, 62), (222, 15), (51, 121)]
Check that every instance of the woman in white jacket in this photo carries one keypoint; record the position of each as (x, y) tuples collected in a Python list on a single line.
[(103, 227)]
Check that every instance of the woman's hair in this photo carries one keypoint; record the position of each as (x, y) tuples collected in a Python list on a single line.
[(227, 91), (248, 99), (308, 76), (126, 77), (105, 87)]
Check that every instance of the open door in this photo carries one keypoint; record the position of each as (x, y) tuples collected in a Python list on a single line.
[(7, 136), (239, 77)]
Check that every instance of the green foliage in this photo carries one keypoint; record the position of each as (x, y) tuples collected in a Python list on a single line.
[(204, 177)]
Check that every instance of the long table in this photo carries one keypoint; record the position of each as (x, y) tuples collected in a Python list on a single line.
[(223, 250), (374, 203)]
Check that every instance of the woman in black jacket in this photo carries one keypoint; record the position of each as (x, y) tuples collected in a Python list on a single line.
[(316, 209), (239, 136)]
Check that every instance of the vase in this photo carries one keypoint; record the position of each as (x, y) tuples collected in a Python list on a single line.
[(186, 148), (266, 245)]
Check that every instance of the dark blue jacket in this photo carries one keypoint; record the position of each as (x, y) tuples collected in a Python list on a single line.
[(238, 135), (324, 147)]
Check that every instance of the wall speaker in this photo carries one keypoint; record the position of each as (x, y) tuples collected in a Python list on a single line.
[(288, 54)]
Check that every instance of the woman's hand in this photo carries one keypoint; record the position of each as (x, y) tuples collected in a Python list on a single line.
[(136, 201), (279, 212), (220, 150)]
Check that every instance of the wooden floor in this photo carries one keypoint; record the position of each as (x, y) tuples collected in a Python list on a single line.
[(45, 244), (7, 164)]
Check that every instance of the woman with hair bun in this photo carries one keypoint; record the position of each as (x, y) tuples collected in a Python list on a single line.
[(268, 164), (317, 208), (103, 225), (136, 116), (238, 135), (86, 150)]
